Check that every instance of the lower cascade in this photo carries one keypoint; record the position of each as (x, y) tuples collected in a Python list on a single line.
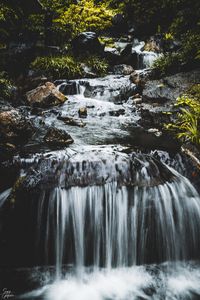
[(119, 232), (117, 226)]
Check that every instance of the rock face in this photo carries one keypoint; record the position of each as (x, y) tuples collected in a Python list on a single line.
[(45, 96), (86, 42), (58, 137), (169, 88), (14, 127)]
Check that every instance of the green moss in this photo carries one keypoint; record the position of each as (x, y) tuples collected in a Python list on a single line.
[(16, 187)]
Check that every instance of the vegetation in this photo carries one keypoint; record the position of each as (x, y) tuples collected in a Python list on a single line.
[(187, 124), (5, 86), (69, 67), (86, 15)]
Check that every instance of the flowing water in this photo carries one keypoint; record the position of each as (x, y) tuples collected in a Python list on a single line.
[(101, 220)]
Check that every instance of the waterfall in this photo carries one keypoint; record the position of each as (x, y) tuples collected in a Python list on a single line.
[(116, 225)]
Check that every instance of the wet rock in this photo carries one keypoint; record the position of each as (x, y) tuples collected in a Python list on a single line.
[(69, 88), (154, 118), (45, 96), (15, 128), (117, 113), (140, 78), (123, 69), (112, 55), (71, 121), (87, 43), (137, 100), (82, 112), (169, 88), (58, 137)]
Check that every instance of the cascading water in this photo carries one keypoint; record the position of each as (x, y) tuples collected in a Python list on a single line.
[(107, 214), (115, 224)]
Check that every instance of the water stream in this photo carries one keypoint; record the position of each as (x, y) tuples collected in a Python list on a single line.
[(104, 221)]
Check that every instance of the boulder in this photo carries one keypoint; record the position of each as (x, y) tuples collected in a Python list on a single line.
[(58, 137), (120, 24), (169, 88), (45, 96), (14, 127), (123, 69), (87, 43), (117, 113)]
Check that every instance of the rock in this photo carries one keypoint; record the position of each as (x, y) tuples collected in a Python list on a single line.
[(169, 88), (82, 112), (138, 76), (71, 121), (117, 113), (123, 69), (69, 87), (137, 100), (45, 96), (154, 118), (14, 127), (120, 24), (112, 55), (86, 43), (58, 137)]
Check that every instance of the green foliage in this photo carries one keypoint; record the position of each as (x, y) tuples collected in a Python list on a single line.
[(58, 67), (98, 65), (107, 41), (86, 15), (68, 67), (187, 56), (187, 124), (167, 64), (5, 87)]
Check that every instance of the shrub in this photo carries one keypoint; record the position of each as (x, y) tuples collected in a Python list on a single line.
[(85, 16), (187, 124), (98, 65), (68, 67), (5, 86), (58, 67), (167, 64)]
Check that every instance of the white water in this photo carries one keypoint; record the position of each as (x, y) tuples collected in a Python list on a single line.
[(118, 226), (4, 196)]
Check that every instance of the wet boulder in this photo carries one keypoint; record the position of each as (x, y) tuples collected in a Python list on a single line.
[(45, 96), (58, 137), (86, 43), (69, 87), (169, 88), (15, 128)]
